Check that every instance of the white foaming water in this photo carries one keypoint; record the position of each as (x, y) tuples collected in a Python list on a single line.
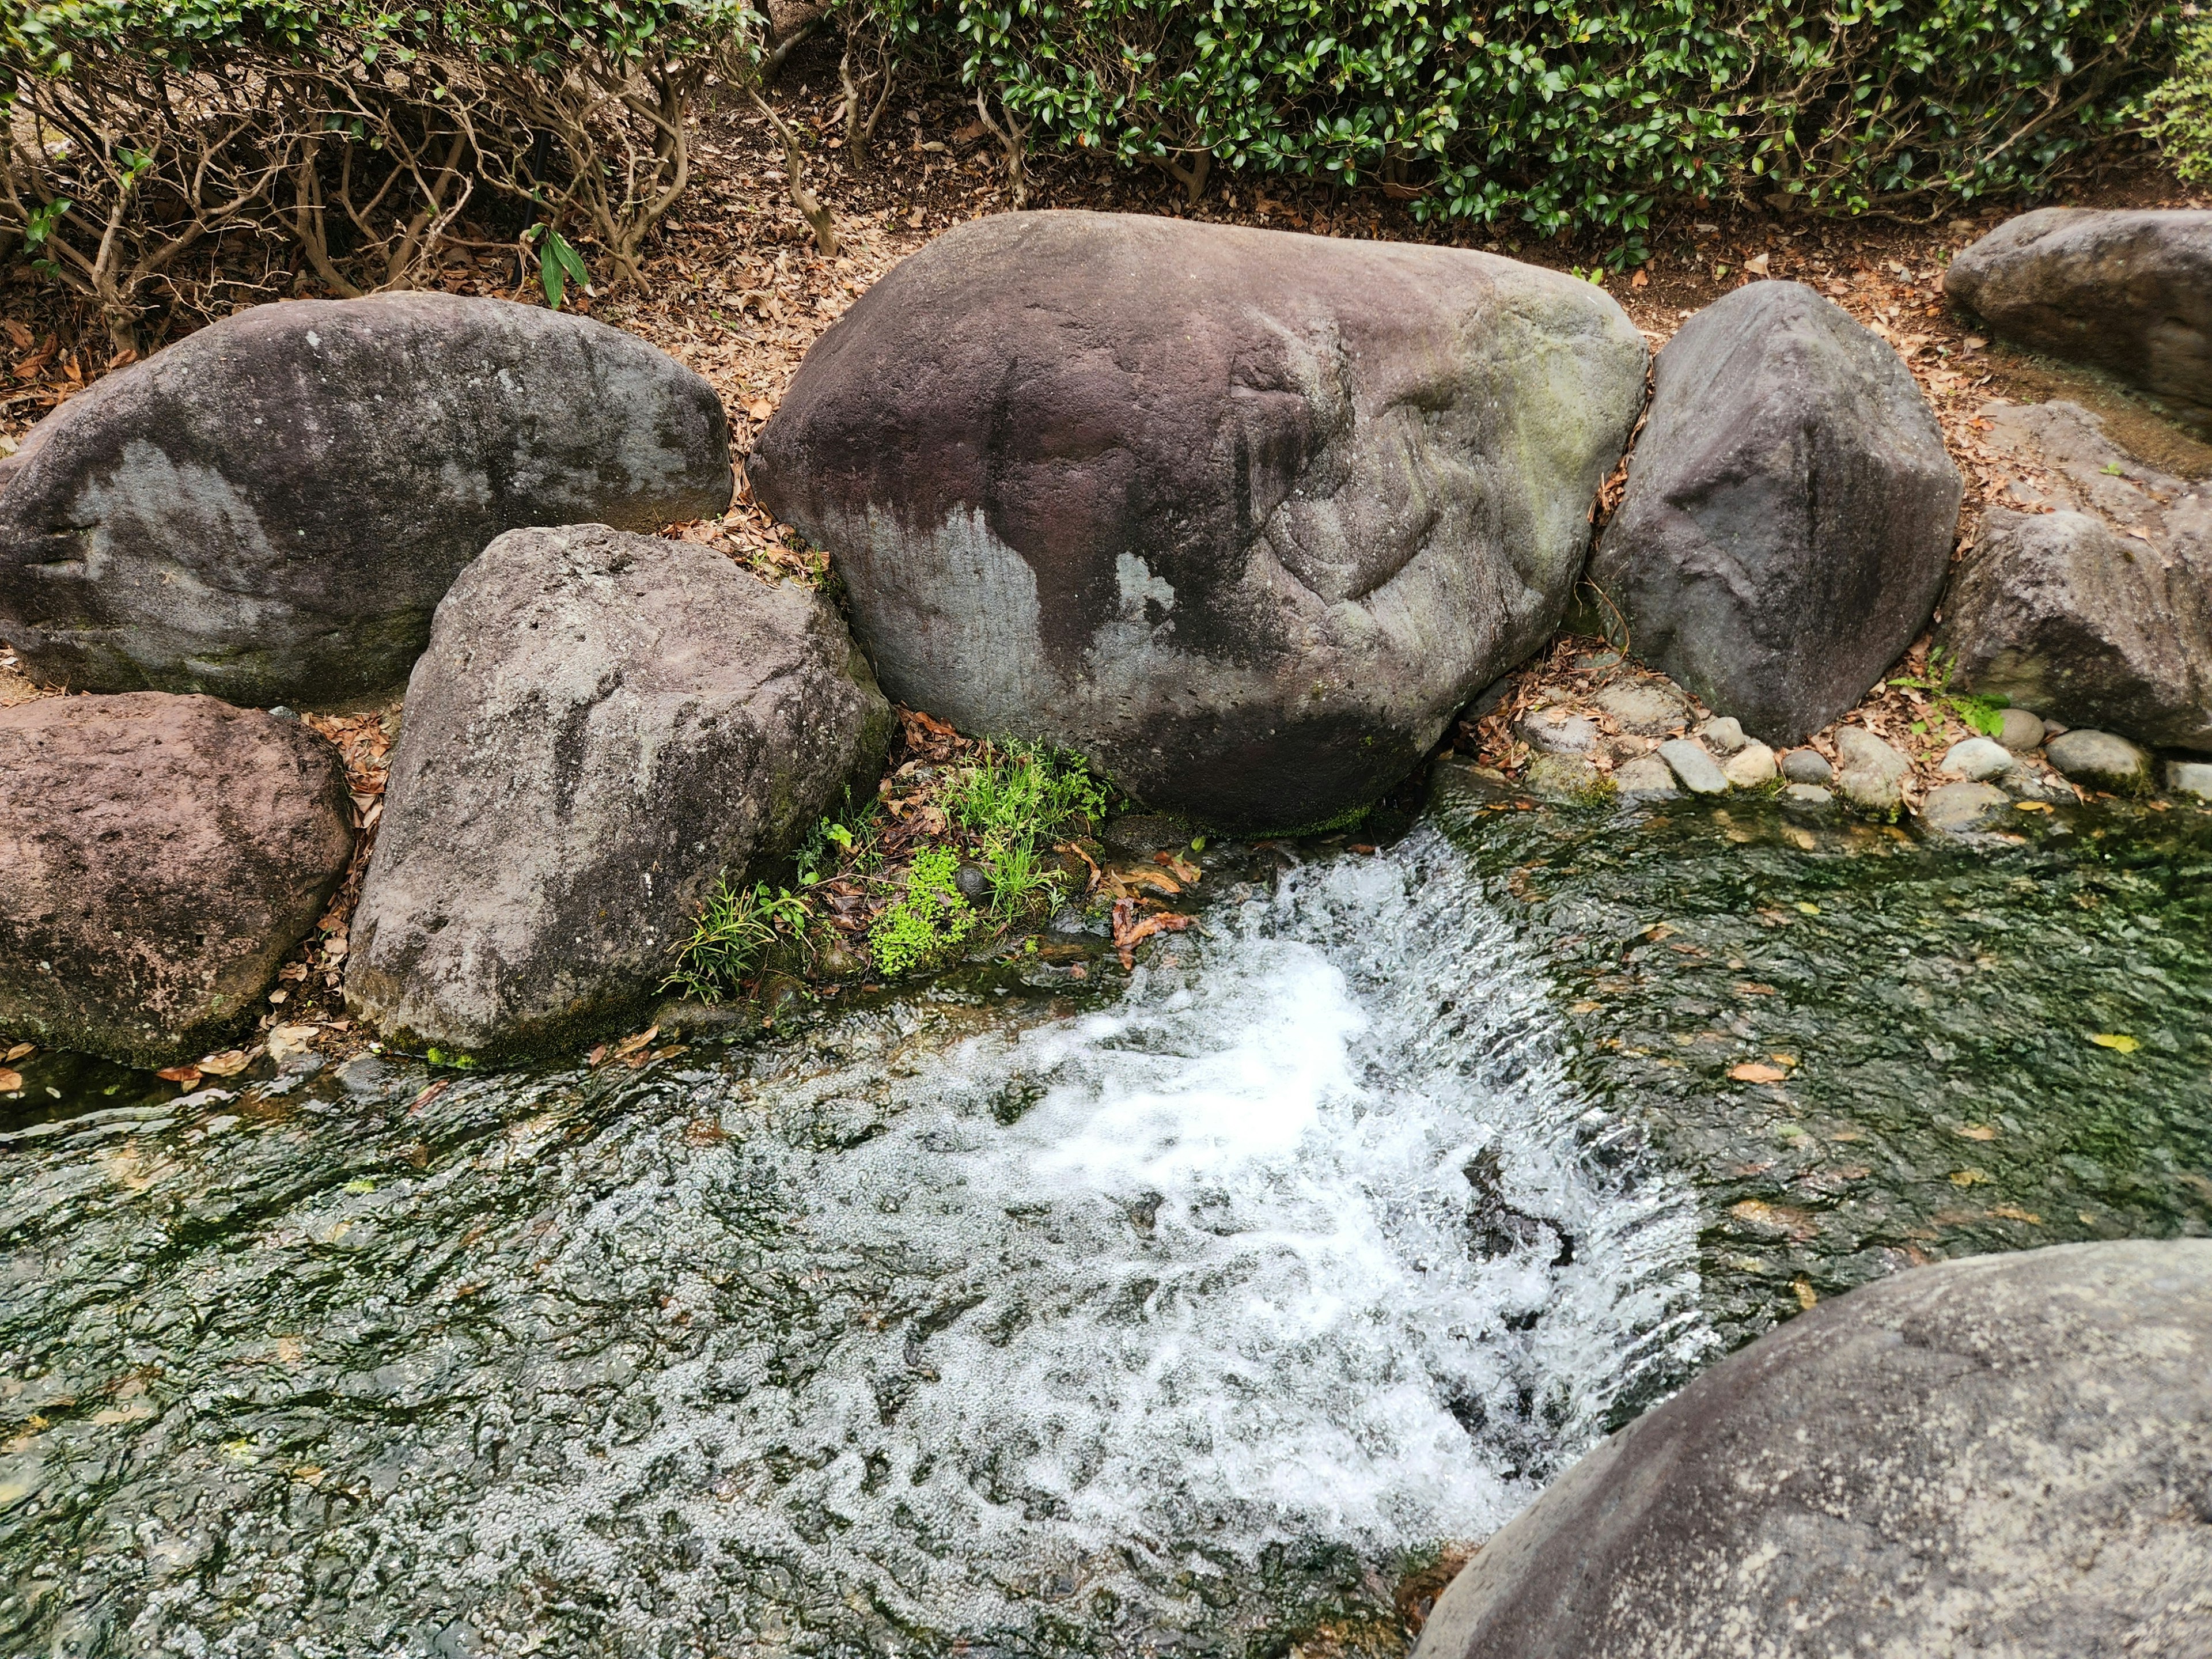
[(1293, 1247)]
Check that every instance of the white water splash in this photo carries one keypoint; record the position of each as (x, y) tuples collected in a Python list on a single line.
[(1159, 1289)]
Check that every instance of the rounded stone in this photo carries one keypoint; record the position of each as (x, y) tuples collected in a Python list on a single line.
[(1556, 731), (1698, 772), (1807, 794), (1564, 778), (1807, 766), (1645, 777), (2100, 761), (1722, 734), (2190, 778), (1998, 1454), (1958, 807), (1750, 766), (1873, 774), (2019, 731), (1981, 759), (1648, 708)]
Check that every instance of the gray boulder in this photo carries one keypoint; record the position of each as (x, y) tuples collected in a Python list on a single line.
[(1789, 512), (270, 509), (1872, 775), (602, 725), (2096, 613), (1956, 808), (2100, 761), (1980, 759), (2002, 1455), (2128, 291), (159, 857), (1807, 766), (1696, 771), (1646, 777), (1649, 708), (1244, 517)]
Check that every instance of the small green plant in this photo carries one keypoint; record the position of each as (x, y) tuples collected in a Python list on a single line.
[(1017, 800), (737, 929), (1978, 713), (2180, 109), (451, 1061), (929, 918)]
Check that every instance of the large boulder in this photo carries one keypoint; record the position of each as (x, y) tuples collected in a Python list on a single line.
[(2095, 607), (159, 856), (1789, 515), (270, 509), (2129, 291), (602, 725), (2004, 1455), (1242, 516)]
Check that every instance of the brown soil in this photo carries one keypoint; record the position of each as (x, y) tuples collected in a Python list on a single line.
[(734, 288)]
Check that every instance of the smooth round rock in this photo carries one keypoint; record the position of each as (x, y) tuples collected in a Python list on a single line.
[(2100, 761), (2190, 778), (1873, 774), (2020, 730), (1981, 759), (1750, 766), (1807, 766), (1807, 794), (1722, 734), (1645, 777), (1958, 807), (1698, 772), (2004, 1455)]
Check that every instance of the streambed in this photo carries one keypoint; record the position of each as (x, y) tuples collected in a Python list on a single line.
[(1187, 1313)]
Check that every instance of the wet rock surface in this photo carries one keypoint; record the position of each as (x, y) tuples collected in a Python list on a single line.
[(159, 856), (1872, 774), (1244, 517), (2012, 1454), (1788, 514), (1958, 808), (2100, 760), (2092, 604), (270, 509), (602, 725), (2129, 291)]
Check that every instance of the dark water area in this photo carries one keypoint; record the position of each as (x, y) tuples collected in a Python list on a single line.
[(1189, 1312)]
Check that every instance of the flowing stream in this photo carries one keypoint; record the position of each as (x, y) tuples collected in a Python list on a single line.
[(1191, 1311)]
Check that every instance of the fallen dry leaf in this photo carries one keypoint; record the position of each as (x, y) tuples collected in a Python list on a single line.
[(2118, 1042), (1752, 1071), (1129, 932), (1798, 1224), (287, 1040), (10, 1081), (2013, 1212), (187, 1075), (19, 1051), (230, 1063), (1976, 1131)]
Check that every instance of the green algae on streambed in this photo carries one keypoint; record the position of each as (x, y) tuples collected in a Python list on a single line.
[(930, 1327), (1933, 1010)]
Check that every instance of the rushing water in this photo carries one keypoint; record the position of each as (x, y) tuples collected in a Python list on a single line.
[(1026, 1314)]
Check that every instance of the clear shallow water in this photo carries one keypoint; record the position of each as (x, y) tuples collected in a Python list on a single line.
[(1187, 1319), (1181, 1314)]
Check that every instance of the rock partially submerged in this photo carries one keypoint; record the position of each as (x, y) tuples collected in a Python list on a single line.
[(2097, 613), (2101, 761), (1242, 516), (2007, 1454), (1872, 774), (270, 509), (159, 856), (602, 724), (1789, 512), (2127, 291)]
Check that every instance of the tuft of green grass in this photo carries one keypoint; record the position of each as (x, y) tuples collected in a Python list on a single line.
[(929, 918), (737, 929), (1017, 801)]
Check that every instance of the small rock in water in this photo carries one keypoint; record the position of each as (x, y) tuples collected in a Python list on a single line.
[(1981, 759), (1723, 734), (1807, 794), (1698, 772), (1563, 777), (1649, 708), (2101, 761), (2019, 731), (2190, 778), (973, 880), (1807, 766), (1750, 766), (1873, 774), (1647, 778), (1555, 732), (1957, 807)]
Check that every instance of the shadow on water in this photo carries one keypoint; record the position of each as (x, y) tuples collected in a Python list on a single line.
[(1185, 1312)]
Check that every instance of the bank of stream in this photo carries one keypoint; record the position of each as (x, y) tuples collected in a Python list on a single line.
[(1194, 1310)]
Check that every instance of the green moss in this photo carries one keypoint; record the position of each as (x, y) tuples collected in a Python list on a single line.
[(928, 921)]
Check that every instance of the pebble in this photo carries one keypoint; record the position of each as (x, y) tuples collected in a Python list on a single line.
[(1645, 778), (1723, 734), (1981, 759), (2019, 731), (1555, 732), (1958, 807), (1698, 771), (1750, 766), (2100, 760), (1649, 708), (973, 880), (2190, 778), (1807, 766), (1807, 794), (1873, 774), (1562, 777)]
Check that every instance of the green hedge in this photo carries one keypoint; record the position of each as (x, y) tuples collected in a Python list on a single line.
[(1565, 115)]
